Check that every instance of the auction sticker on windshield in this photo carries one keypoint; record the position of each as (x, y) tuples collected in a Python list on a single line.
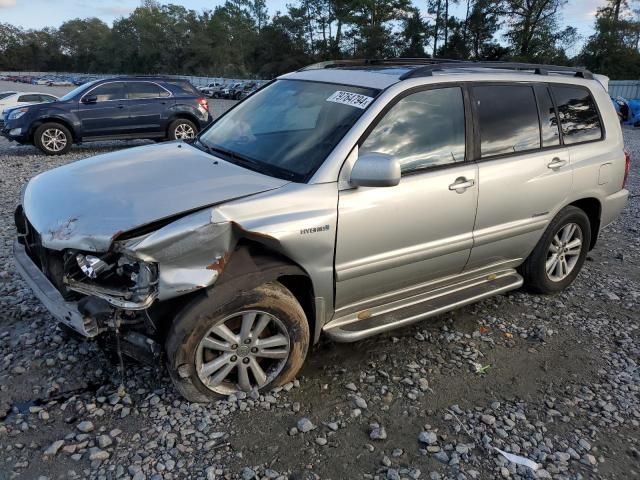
[(348, 98)]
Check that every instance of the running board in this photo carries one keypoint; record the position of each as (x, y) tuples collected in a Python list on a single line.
[(400, 313)]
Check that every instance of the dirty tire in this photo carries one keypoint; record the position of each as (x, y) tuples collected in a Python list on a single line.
[(48, 137), (534, 268), (182, 129), (195, 320)]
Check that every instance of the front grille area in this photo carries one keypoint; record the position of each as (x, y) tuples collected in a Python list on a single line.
[(50, 262)]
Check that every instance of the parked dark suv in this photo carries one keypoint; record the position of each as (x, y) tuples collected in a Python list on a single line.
[(115, 108)]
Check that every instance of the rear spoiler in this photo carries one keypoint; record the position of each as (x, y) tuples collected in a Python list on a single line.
[(603, 80)]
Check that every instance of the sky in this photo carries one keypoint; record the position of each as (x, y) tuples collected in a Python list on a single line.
[(43, 13)]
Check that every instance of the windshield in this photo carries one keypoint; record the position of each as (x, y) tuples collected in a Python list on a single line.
[(288, 128), (77, 91)]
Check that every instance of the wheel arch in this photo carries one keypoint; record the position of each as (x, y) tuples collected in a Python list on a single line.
[(593, 209), (41, 121), (252, 264)]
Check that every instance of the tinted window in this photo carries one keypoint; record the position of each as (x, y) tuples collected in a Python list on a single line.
[(508, 118), (29, 98), (5, 94), (578, 115), (183, 87), (47, 98), (109, 91), (548, 118), (139, 90), (422, 130)]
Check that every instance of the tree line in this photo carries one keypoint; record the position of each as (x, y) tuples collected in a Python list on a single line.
[(242, 38)]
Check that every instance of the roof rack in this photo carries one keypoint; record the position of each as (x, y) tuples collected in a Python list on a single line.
[(538, 69), (426, 66), (366, 62)]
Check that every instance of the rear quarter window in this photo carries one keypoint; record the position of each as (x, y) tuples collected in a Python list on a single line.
[(182, 88), (578, 114)]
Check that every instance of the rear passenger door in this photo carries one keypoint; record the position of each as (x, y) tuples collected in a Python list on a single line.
[(524, 170), (148, 105)]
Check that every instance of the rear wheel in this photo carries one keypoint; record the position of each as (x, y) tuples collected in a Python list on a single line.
[(257, 341), (557, 259), (182, 129), (53, 138)]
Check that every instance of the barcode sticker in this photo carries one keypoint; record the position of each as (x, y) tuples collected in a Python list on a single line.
[(352, 99)]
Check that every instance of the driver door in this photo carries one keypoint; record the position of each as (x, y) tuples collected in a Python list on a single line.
[(391, 240), (104, 111)]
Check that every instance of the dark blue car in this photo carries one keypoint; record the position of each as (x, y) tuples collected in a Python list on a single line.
[(109, 109)]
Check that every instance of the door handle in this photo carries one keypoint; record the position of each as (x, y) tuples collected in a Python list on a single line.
[(461, 184), (120, 106), (556, 163)]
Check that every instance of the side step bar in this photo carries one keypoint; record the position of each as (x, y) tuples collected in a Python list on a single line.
[(404, 312)]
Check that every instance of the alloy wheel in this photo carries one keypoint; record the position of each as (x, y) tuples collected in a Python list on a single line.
[(184, 131), (564, 252), (54, 139), (243, 351)]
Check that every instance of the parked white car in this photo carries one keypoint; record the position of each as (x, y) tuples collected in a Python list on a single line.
[(17, 99)]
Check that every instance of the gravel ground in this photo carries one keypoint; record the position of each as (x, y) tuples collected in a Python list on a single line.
[(560, 386)]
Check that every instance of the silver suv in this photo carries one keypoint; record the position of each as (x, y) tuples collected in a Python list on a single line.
[(345, 199)]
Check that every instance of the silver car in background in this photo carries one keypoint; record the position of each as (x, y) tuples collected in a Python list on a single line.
[(345, 199)]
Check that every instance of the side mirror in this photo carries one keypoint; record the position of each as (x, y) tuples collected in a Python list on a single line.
[(375, 170), (89, 99)]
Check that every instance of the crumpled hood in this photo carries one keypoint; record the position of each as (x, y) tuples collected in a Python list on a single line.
[(86, 204)]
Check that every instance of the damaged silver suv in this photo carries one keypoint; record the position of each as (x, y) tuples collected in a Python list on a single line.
[(345, 199)]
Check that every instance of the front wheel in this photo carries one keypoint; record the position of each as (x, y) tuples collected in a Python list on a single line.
[(257, 341), (182, 129), (559, 255), (53, 138)]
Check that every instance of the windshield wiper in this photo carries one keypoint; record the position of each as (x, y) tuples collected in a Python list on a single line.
[(249, 163)]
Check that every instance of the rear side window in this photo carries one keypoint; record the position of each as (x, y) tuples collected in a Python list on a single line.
[(548, 118), (578, 114), (5, 94), (47, 98), (508, 118), (142, 90), (422, 130), (109, 91), (183, 87)]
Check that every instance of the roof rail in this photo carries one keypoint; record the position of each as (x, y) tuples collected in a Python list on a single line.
[(430, 65), (364, 62), (427, 70)]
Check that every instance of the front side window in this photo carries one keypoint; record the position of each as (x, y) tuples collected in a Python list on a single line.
[(109, 91), (288, 128), (578, 114), (424, 129), (508, 118)]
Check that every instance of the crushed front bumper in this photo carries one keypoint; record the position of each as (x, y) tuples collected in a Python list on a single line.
[(65, 312)]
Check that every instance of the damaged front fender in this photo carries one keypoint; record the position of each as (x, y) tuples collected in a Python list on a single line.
[(190, 253)]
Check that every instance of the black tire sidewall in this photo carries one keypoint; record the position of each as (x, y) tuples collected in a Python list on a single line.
[(535, 271), (176, 123), (37, 138), (200, 315)]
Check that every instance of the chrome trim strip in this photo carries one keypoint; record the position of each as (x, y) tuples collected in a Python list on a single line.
[(126, 99), (509, 230)]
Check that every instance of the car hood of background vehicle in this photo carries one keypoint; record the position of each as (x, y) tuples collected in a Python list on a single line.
[(86, 204)]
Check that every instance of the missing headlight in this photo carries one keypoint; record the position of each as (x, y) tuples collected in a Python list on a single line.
[(124, 282)]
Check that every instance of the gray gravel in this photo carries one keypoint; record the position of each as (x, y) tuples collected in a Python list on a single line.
[(560, 386)]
